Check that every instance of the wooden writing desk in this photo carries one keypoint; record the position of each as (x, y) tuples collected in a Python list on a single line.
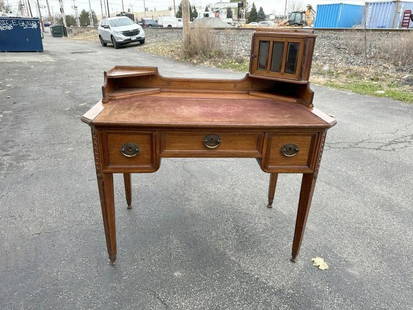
[(144, 117)]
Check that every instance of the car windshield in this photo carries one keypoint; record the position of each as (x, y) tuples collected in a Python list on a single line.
[(122, 21)]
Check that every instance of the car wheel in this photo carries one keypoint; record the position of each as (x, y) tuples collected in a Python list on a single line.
[(102, 42), (142, 41), (169, 26), (114, 43)]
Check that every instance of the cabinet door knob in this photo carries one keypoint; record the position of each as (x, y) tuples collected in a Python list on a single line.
[(212, 141), (289, 150), (129, 149)]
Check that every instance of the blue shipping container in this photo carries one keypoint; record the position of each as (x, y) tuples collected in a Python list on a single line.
[(338, 15), (20, 35), (386, 14)]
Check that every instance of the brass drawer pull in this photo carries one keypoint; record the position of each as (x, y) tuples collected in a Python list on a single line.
[(129, 150), (289, 150), (212, 141)]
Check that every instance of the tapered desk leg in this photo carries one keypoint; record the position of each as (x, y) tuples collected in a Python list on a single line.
[(271, 188), (128, 193), (107, 202), (304, 204)]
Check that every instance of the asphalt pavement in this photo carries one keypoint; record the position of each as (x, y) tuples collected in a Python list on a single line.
[(199, 235)]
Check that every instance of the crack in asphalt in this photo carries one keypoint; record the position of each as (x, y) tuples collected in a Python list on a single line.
[(393, 145), (158, 297)]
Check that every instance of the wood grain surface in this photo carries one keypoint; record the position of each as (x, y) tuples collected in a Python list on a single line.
[(206, 112)]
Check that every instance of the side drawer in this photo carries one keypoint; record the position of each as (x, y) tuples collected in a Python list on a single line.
[(130, 150), (222, 144), (289, 152)]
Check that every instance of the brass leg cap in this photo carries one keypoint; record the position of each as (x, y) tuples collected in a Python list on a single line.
[(269, 205), (129, 207)]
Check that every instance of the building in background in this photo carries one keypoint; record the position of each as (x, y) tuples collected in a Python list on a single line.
[(154, 14)]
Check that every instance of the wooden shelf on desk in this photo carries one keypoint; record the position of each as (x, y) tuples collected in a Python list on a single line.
[(129, 92)]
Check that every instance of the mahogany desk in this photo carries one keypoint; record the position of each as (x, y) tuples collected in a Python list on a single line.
[(144, 117)]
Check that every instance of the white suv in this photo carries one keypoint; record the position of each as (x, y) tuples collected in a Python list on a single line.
[(120, 30)]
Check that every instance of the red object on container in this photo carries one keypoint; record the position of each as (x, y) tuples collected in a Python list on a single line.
[(406, 18)]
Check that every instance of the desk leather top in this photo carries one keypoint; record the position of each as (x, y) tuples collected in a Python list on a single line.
[(207, 110)]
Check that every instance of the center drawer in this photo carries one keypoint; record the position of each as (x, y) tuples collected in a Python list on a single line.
[(211, 144)]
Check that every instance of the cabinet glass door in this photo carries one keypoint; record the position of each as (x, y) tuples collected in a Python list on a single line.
[(292, 55), (277, 56), (263, 54)]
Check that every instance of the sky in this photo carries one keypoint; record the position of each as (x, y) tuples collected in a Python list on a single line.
[(269, 6)]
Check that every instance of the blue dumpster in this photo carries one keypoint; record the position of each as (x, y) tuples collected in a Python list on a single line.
[(20, 35), (338, 15)]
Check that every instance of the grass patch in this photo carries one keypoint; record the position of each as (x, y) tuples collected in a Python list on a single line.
[(235, 65), (374, 89), (363, 80)]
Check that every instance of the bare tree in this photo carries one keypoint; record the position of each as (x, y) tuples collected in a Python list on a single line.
[(4, 7), (294, 5)]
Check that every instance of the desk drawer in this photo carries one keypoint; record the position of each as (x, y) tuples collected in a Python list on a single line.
[(130, 150), (211, 144), (289, 152)]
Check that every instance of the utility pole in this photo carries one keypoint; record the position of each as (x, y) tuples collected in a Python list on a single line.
[(285, 8), (29, 8), (144, 8), (40, 15), (62, 13), (48, 10), (21, 8), (107, 5), (76, 14), (101, 9), (90, 15), (174, 9), (185, 19), (123, 7)]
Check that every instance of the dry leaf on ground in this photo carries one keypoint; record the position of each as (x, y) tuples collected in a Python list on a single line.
[(320, 263)]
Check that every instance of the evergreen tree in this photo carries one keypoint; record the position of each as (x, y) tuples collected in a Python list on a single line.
[(179, 12), (194, 13), (229, 13), (252, 15), (84, 18), (95, 19), (70, 20), (261, 14)]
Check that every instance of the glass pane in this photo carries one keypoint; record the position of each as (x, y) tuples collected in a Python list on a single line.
[(291, 64), (263, 54), (277, 56)]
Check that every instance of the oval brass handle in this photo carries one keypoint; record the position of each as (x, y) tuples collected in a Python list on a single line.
[(129, 149), (289, 150), (212, 141)]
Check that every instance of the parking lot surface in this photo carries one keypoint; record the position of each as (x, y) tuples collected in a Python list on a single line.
[(199, 235)]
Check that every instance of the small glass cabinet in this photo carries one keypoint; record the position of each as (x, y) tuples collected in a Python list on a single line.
[(282, 55)]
